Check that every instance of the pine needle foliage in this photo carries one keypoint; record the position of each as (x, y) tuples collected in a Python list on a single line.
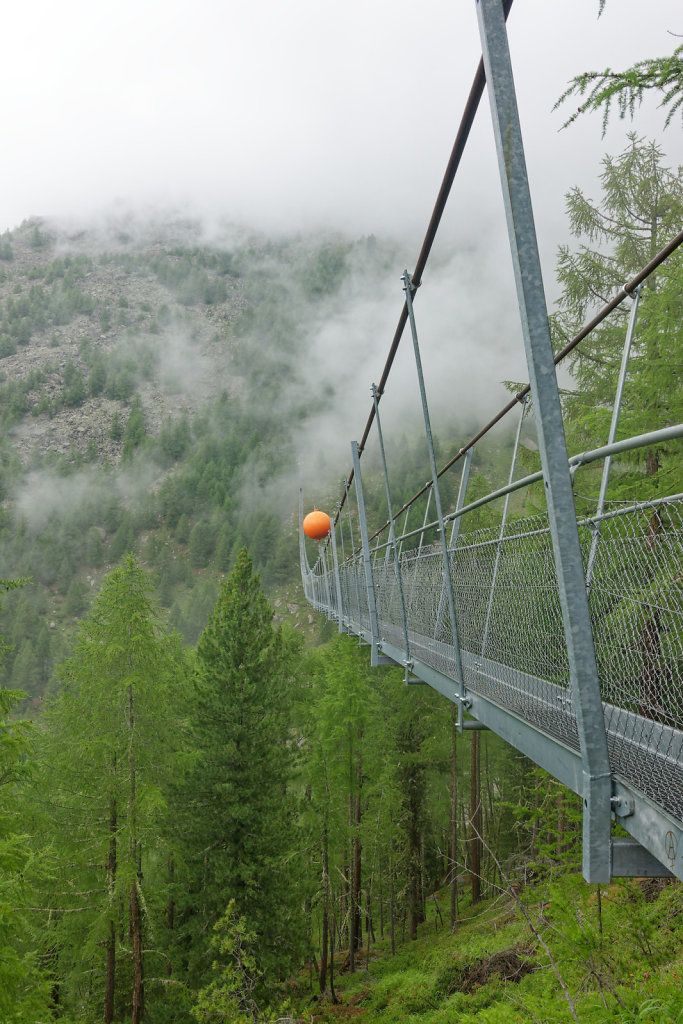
[(639, 210), (234, 799), (626, 89), (109, 740)]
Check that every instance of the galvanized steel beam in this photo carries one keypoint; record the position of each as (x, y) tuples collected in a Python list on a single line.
[(551, 441)]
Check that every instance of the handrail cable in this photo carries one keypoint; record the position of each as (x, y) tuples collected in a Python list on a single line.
[(575, 462)]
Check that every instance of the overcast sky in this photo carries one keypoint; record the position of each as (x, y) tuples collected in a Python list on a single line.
[(298, 114)]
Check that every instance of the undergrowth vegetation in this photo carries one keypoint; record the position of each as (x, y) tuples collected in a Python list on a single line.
[(618, 952)]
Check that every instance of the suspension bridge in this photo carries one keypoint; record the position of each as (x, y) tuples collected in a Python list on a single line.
[(561, 632)]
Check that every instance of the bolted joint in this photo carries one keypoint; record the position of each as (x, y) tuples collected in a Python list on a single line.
[(408, 284), (622, 806)]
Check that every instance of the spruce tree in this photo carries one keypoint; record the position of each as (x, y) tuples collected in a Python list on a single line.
[(234, 797)]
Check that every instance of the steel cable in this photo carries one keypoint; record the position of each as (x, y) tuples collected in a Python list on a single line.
[(466, 122)]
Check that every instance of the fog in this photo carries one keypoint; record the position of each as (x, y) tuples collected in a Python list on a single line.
[(310, 117), (294, 116)]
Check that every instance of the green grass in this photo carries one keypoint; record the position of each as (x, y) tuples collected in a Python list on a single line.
[(631, 972)]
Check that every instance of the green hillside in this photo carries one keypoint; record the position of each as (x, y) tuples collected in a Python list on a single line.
[(156, 394), (551, 951), (151, 401)]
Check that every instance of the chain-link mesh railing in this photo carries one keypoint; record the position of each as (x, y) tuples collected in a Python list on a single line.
[(637, 611), (511, 634)]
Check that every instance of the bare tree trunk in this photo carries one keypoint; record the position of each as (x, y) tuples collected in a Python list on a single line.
[(135, 916), (475, 849), (326, 904), (353, 920), (332, 992), (344, 899), (491, 826), (50, 959), (357, 873), (136, 1015), (423, 881), (170, 910), (453, 844), (534, 826), (392, 909), (414, 782), (475, 816), (561, 823), (414, 894), (110, 973), (466, 841), (381, 896)]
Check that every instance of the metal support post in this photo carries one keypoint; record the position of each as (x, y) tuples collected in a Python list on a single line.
[(455, 530), (326, 582), (372, 607), (405, 525), (416, 554), (392, 531), (353, 548), (346, 596), (625, 356), (337, 580), (462, 491), (503, 524), (552, 445), (424, 521), (407, 287)]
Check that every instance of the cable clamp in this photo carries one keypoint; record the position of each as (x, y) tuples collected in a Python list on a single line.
[(409, 284)]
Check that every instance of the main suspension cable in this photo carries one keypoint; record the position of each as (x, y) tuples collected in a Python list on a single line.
[(466, 122)]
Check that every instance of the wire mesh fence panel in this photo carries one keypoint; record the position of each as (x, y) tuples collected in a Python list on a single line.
[(511, 633), (353, 585), (388, 599), (512, 629), (637, 611)]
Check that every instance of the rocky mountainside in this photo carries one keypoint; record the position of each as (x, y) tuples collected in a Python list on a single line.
[(153, 387), (149, 312)]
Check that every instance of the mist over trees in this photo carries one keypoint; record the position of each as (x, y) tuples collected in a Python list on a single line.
[(205, 810), (151, 414)]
